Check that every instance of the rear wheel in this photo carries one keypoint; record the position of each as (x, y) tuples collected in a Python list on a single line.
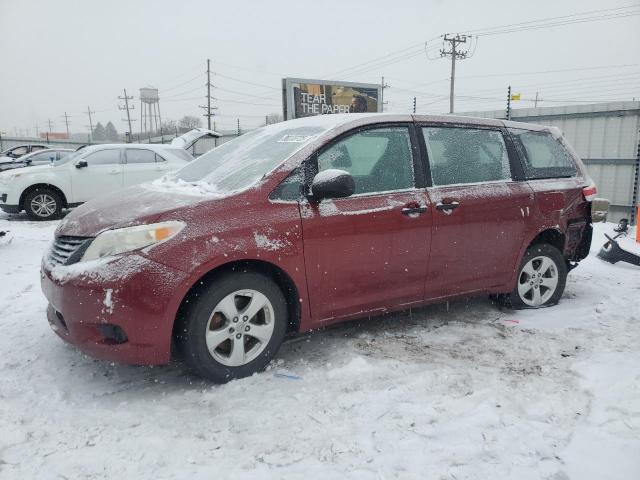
[(234, 327), (541, 278), (43, 204)]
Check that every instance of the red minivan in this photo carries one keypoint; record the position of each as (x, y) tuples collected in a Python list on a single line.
[(314, 221)]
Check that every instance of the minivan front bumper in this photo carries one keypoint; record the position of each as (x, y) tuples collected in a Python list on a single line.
[(121, 311)]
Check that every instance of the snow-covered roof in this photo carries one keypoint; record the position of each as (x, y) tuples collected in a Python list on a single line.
[(149, 146)]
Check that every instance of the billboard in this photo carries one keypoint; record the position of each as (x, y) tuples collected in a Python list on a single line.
[(306, 97)]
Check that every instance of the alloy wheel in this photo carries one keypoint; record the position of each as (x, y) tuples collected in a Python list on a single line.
[(43, 205), (240, 327), (538, 281)]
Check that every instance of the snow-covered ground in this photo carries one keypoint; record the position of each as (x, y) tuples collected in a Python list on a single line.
[(473, 392)]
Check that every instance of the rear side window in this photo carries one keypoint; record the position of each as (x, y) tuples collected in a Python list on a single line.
[(543, 154), (139, 155), (466, 155)]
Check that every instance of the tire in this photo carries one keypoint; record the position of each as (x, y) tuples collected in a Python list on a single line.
[(43, 203), (541, 279), (214, 337)]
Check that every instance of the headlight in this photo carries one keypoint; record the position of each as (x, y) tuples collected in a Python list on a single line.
[(121, 240), (6, 179)]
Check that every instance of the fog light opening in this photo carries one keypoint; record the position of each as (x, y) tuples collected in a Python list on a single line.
[(61, 320), (112, 334)]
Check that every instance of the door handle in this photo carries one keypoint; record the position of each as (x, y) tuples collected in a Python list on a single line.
[(447, 207), (114, 172), (414, 210)]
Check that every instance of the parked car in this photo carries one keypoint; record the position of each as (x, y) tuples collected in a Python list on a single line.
[(40, 157), (44, 191), (18, 151), (314, 221)]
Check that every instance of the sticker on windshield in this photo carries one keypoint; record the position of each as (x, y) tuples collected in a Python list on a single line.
[(295, 138)]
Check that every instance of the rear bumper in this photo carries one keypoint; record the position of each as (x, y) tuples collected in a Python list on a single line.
[(131, 296), (578, 240)]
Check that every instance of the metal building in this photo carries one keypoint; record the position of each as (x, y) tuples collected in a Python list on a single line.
[(607, 138)]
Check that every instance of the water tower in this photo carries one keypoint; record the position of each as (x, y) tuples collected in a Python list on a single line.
[(150, 120)]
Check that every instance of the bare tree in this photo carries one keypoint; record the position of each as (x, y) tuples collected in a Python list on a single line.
[(169, 126), (189, 122)]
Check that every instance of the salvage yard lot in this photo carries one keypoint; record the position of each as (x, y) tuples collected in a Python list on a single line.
[(468, 392)]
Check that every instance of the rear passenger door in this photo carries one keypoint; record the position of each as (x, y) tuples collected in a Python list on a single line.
[(142, 165), (481, 215)]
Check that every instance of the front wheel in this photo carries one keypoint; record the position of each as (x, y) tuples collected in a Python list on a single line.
[(541, 278), (234, 327), (43, 204)]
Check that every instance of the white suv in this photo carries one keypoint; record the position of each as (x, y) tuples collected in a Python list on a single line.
[(43, 191)]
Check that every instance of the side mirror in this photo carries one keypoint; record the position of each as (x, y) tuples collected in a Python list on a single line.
[(82, 164), (332, 183)]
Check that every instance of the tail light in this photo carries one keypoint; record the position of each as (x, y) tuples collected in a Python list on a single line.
[(590, 192)]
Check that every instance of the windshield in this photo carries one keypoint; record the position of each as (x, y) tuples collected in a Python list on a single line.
[(241, 162)]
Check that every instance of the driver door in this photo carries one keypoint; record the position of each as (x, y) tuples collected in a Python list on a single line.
[(102, 175), (368, 252)]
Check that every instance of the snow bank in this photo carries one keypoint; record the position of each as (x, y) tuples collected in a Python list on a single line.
[(471, 392)]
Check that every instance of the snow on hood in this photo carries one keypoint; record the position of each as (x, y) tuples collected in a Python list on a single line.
[(31, 170), (187, 140), (132, 206)]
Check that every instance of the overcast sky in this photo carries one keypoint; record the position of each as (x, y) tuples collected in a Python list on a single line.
[(64, 56)]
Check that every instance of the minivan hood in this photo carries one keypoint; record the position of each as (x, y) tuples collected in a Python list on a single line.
[(133, 206)]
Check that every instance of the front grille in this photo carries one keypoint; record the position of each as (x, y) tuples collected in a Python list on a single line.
[(67, 250)]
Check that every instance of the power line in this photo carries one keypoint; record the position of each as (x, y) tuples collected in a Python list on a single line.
[(183, 93), (197, 77), (554, 21), (247, 82)]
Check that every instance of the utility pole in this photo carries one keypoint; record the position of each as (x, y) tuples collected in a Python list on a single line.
[(239, 131), (535, 102), (50, 124), (384, 85), (89, 112), (37, 130), (208, 107), (126, 107), (454, 53), (509, 103), (66, 120), (414, 105)]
